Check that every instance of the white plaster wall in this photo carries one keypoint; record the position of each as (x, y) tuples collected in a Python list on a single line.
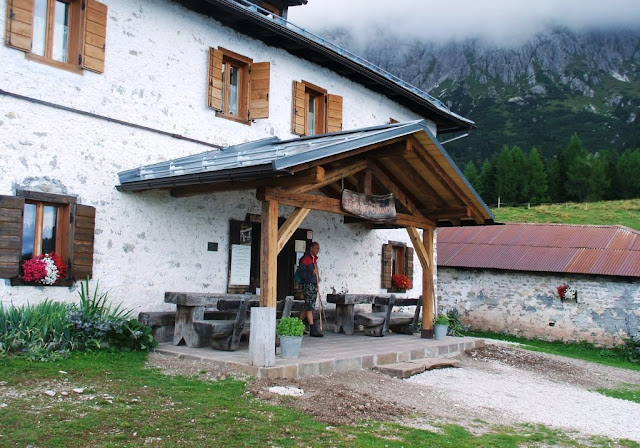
[(149, 243), (524, 304)]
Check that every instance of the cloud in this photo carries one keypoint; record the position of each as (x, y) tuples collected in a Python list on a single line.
[(495, 20)]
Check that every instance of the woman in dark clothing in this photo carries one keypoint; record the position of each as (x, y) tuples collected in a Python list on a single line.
[(308, 272)]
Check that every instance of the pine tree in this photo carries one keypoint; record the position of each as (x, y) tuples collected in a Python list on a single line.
[(471, 173), (599, 180), (578, 172), (557, 180), (538, 185), (512, 181), (611, 158), (629, 174), (487, 181)]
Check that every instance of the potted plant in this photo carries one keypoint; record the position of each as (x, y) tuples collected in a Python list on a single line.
[(441, 326), (290, 331)]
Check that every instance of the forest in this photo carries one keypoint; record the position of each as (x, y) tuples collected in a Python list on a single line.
[(516, 177)]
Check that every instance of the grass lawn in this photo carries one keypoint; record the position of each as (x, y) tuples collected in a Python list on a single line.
[(626, 213), (126, 404), (585, 351), (629, 392)]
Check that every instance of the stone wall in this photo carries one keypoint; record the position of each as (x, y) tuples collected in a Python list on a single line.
[(526, 304), (156, 76)]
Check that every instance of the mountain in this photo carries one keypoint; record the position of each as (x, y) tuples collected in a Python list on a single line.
[(534, 93)]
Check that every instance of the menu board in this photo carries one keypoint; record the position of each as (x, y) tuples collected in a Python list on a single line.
[(240, 265)]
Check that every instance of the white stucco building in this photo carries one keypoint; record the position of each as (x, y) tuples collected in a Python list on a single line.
[(86, 94)]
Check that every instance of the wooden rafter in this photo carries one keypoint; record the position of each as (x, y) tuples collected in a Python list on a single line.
[(290, 226), (435, 168), (412, 176), (384, 179), (330, 205), (310, 177), (333, 175)]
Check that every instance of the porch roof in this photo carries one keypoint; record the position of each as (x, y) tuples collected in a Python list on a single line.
[(406, 160)]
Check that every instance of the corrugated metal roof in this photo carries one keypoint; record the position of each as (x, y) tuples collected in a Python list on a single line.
[(558, 248)]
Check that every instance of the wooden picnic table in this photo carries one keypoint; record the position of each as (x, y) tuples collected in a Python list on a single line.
[(345, 315), (190, 308)]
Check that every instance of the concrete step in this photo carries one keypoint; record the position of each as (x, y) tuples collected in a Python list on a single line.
[(407, 369)]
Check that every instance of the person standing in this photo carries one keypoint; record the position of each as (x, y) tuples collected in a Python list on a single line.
[(308, 272)]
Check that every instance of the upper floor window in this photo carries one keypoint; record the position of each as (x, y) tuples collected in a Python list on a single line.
[(238, 88), (68, 34), (314, 111), (272, 8)]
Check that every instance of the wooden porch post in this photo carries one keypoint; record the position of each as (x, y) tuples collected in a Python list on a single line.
[(262, 339), (427, 285)]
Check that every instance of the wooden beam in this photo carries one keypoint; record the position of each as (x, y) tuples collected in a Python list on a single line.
[(386, 145), (290, 226), (269, 253), (428, 295), (330, 205), (309, 177), (384, 179), (426, 158), (366, 181), (450, 213), (423, 256), (332, 176)]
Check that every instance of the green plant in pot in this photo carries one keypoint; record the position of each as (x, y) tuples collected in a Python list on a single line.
[(441, 326), (290, 331)]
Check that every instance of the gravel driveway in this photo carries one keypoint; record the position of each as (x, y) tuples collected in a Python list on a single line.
[(498, 384)]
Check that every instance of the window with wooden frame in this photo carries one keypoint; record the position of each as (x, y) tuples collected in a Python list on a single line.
[(68, 34), (314, 111), (238, 87), (34, 223), (397, 258), (272, 8)]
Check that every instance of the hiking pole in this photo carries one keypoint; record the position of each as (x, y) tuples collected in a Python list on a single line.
[(320, 308)]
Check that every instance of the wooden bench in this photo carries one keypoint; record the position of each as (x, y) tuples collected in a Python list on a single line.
[(226, 334), (378, 323)]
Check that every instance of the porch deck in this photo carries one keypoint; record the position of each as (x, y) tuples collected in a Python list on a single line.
[(333, 353)]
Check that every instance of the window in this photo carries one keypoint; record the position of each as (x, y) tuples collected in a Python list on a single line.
[(238, 88), (68, 34), (34, 223), (314, 111), (272, 8), (397, 258)]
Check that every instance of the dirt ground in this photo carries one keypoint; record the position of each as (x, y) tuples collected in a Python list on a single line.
[(497, 384)]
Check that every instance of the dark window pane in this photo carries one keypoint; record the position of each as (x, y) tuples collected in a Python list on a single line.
[(49, 228), (28, 231)]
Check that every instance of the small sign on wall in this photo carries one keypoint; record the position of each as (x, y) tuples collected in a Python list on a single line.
[(301, 246), (240, 265)]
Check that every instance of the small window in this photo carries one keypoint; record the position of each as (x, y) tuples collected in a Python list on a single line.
[(397, 259), (272, 8), (314, 111), (41, 226), (34, 223), (68, 34), (238, 88)]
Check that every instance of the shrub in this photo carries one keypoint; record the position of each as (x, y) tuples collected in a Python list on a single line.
[(290, 326), (455, 327), (40, 332), (629, 350)]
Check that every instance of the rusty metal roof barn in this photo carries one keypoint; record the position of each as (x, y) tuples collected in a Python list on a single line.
[(554, 248)]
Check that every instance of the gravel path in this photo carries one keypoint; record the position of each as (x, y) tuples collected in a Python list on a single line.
[(510, 394)]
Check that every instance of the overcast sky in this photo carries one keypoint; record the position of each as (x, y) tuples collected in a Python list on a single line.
[(497, 20)]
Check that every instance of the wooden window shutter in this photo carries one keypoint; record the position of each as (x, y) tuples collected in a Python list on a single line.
[(259, 90), (387, 262), (84, 218), (214, 94), (409, 264), (19, 24), (298, 109), (95, 36), (11, 209), (334, 113)]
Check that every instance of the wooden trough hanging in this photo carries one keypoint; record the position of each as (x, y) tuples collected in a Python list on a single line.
[(369, 206)]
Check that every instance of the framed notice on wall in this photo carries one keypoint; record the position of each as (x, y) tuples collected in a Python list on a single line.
[(240, 265)]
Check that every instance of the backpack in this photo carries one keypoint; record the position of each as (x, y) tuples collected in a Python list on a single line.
[(297, 278)]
